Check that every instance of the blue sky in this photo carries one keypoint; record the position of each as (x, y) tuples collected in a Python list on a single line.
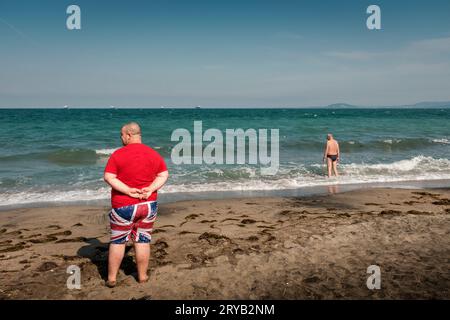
[(223, 53)]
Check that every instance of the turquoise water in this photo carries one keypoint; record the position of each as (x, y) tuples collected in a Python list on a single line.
[(59, 154)]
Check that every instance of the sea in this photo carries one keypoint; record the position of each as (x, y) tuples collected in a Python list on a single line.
[(54, 156)]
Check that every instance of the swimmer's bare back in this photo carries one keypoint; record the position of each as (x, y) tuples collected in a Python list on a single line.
[(332, 147)]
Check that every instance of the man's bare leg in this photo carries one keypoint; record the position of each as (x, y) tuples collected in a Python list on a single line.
[(335, 168), (142, 251), (115, 256), (329, 165)]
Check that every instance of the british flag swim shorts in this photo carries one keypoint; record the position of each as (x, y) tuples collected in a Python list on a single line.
[(133, 221)]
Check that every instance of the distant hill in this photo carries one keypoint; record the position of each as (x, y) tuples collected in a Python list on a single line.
[(425, 104)]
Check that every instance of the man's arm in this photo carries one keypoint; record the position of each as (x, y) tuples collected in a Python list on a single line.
[(159, 181), (325, 152), (338, 151), (116, 184)]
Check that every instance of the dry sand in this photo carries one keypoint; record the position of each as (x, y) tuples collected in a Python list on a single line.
[(257, 248)]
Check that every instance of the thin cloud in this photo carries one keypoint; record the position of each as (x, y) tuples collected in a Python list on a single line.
[(354, 55), (17, 31), (214, 67), (436, 45), (288, 35), (414, 49)]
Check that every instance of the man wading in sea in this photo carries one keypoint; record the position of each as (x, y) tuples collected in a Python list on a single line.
[(331, 154), (135, 172)]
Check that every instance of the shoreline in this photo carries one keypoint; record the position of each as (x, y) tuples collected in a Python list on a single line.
[(309, 247), (217, 195)]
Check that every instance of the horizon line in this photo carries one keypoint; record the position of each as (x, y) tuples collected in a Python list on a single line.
[(425, 104)]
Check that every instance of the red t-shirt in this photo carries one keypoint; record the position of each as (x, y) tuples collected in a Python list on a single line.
[(136, 165)]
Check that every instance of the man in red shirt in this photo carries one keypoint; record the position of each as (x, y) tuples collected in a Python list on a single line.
[(135, 172)]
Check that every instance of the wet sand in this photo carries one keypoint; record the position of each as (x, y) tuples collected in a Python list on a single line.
[(316, 247)]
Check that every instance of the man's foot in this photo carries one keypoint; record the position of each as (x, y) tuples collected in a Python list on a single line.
[(144, 280), (110, 284)]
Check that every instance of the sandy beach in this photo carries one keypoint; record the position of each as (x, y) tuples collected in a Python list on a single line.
[(316, 247)]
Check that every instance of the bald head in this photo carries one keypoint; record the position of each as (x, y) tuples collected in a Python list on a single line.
[(130, 133), (132, 128), (329, 136)]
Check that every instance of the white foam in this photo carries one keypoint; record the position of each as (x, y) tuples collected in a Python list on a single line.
[(55, 196), (420, 163), (105, 152), (443, 141), (391, 141), (286, 184), (293, 176), (108, 152)]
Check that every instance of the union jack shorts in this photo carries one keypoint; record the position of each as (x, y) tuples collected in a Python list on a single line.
[(133, 222)]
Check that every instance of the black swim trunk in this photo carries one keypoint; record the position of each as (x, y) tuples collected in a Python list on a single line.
[(333, 157)]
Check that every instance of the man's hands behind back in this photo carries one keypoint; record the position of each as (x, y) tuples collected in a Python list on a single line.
[(142, 194)]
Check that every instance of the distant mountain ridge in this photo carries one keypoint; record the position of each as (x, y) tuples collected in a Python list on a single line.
[(427, 104), (424, 104)]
